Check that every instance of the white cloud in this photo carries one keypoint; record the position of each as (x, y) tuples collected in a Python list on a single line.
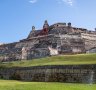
[(32, 1), (70, 2)]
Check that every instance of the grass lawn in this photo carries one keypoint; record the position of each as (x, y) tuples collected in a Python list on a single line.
[(54, 60), (18, 85)]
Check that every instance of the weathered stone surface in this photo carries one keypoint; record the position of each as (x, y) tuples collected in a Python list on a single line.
[(62, 38), (92, 50), (67, 73)]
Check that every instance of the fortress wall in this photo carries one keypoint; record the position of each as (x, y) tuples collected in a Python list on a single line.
[(90, 40), (67, 73), (67, 44), (71, 43), (71, 36), (88, 36), (68, 39), (25, 43), (9, 52), (38, 53), (7, 46), (89, 44)]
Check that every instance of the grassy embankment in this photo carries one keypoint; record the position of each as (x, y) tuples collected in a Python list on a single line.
[(17, 85), (54, 60)]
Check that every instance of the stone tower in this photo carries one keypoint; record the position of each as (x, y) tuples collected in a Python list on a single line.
[(33, 28), (69, 24), (32, 33), (46, 25)]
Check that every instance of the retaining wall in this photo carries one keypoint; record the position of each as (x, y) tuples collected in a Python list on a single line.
[(56, 73)]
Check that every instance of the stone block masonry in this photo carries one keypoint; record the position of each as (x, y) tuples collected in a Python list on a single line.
[(56, 73)]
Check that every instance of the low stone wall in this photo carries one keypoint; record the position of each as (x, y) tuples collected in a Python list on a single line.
[(66, 73)]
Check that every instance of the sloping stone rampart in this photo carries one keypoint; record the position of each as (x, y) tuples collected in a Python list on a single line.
[(61, 37)]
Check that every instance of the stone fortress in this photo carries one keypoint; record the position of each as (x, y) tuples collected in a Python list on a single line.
[(59, 38)]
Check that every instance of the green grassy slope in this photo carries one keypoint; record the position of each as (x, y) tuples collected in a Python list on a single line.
[(54, 60), (17, 85)]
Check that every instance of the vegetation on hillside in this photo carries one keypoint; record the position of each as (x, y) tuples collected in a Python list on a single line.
[(54, 60)]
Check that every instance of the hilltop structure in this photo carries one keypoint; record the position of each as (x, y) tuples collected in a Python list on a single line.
[(59, 38)]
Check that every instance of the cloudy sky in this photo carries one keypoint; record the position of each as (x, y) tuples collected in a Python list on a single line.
[(18, 16)]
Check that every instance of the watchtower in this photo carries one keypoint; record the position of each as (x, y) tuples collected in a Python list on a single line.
[(33, 28), (46, 25), (69, 24)]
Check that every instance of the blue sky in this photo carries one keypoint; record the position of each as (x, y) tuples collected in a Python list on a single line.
[(18, 16)]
